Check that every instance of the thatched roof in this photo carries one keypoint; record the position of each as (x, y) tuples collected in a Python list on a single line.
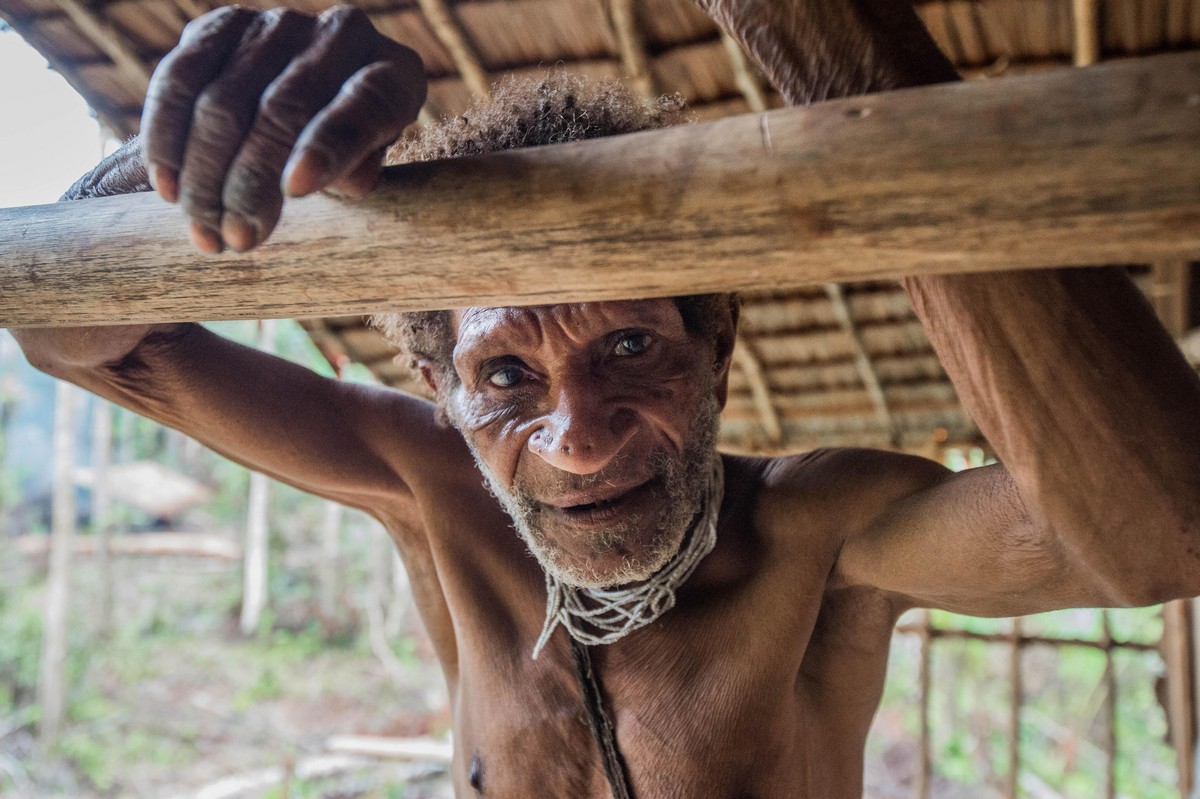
[(834, 365)]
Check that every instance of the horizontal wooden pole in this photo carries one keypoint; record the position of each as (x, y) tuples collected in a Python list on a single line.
[(1077, 167)]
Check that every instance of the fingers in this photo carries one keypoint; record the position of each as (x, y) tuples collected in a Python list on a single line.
[(180, 77), (342, 42), (251, 101), (369, 113), (227, 109)]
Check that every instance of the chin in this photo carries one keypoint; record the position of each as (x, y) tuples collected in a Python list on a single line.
[(603, 559)]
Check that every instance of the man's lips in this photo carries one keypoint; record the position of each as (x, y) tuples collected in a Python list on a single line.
[(601, 504)]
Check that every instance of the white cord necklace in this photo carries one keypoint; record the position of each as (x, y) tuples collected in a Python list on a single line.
[(613, 614)]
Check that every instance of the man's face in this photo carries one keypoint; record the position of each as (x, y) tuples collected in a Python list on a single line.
[(595, 425)]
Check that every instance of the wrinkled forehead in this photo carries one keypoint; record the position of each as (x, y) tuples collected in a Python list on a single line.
[(577, 323)]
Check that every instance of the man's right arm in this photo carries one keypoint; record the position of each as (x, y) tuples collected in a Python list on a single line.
[(248, 103), (344, 441)]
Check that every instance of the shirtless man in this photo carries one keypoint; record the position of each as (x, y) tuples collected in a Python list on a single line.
[(593, 425)]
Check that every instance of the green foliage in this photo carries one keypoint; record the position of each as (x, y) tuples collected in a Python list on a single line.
[(20, 642)]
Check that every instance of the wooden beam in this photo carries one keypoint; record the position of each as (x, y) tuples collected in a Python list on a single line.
[(744, 76), (1079, 167), (1085, 16), (110, 116), (111, 41), (450, 33), (193, 8), (1170, 294), (760, 392), (862, 358), (631, 46)]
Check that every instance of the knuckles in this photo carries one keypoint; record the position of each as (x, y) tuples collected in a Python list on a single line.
[(269, 75)]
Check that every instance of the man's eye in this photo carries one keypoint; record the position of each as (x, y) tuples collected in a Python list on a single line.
[(506, 377), (632, 344)]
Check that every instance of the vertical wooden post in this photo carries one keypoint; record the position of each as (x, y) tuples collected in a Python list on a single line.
[(1177, 652), (925, 774), (1086, 17), (1110, 709), (102, 416), (52, 689), (1017, 690), (254, 574), (1170, 294)]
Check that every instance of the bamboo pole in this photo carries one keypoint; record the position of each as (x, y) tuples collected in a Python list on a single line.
[(1077, 167)]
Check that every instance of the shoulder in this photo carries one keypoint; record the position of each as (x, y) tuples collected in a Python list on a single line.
[(840, 490), (841, 473)]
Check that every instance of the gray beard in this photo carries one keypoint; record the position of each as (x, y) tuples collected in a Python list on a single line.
[(684, 477)]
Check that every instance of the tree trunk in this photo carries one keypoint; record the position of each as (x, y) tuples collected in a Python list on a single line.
[(51, 673), (102, 419), (254, 583)]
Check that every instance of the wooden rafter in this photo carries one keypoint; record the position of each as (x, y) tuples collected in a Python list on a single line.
[(1106, 174), (760, 392), (111, 117), (1085, 15), (744, 76), (862, 358), (449, 31), (193, 8), (631, 45), (1170, 293), (111, 41)]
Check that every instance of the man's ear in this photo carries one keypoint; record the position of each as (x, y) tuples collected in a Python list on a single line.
[(428, 373), (725, 341)]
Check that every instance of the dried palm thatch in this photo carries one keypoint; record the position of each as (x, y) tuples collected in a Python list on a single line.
[(839, 365)]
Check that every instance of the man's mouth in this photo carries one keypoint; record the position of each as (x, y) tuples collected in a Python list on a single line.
[(598, 507)]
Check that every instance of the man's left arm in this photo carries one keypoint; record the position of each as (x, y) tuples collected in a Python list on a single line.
[(1092, 409)]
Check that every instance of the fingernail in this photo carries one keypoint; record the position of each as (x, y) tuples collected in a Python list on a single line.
[(238, 233), (306, 174), (205, 240), (165, 182)]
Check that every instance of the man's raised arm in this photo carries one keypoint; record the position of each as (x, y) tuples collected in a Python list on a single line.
[(1092, 409), (251, 104)]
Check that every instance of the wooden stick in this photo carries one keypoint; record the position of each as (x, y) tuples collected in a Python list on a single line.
[(1177, 650), (1016, 701), (198, 545), (924, 777), (450, 34), (1085, 15), (1110, 709), (110, 116), (425, 749), (862, 359), (111, 41), (743, 74), (632, 46), (1025, 639), (1078, 167), (760, 391)]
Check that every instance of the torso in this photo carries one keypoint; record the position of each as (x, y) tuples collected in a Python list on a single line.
[(761, 682)]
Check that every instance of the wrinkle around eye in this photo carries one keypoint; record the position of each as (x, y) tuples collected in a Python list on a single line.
[(488, 409)]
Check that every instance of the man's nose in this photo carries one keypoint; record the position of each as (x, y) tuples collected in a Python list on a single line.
[(584, 430)]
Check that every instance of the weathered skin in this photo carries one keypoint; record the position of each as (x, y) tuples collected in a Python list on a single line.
[(763, 680)]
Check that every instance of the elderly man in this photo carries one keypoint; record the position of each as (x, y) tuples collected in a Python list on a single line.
[(691, 624)]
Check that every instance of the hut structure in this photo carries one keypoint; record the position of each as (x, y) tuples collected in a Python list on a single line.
[(825, 365)]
